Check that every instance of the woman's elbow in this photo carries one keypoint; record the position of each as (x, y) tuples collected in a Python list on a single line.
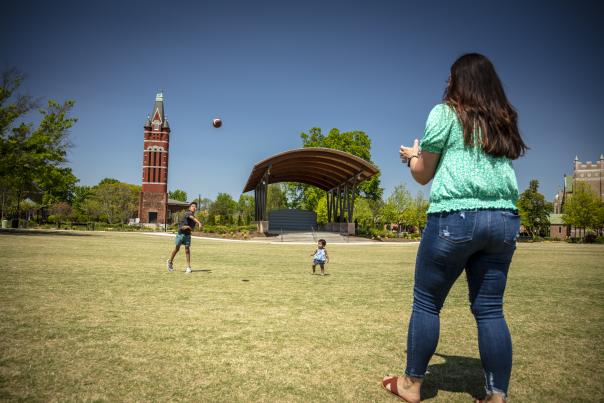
[(422, 179)]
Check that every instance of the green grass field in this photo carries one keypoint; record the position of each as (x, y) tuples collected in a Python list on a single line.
[(96, 316)]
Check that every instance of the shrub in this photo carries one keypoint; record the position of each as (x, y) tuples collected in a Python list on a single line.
[(590, 237)]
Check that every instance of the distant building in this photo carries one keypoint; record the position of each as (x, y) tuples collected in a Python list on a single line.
[(590, 172), (175, 206), (154, 205), (557, 228)]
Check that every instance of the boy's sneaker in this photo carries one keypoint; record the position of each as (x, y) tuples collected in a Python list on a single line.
[(188, 270), (169, 265)]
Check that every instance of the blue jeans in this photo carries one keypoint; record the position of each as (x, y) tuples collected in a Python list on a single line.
[(482, 242)]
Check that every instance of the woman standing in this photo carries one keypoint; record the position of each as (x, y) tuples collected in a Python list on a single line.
[(468, 147)]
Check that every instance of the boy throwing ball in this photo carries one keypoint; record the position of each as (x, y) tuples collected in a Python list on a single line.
[(320, 256), (184, 236)]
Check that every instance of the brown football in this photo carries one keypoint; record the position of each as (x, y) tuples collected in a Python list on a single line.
[(217, 122)]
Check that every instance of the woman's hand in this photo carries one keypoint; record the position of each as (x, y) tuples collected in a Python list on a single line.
[(407, 152), (423, 166)]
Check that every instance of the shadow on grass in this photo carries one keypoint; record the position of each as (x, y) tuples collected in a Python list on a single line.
[(456, 374), (201, 271), (34, 232)]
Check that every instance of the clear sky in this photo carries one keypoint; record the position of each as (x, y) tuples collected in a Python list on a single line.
[(272, 69)]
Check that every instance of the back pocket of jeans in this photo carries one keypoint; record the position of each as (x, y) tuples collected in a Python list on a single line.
[(457, 227), (511, 222)]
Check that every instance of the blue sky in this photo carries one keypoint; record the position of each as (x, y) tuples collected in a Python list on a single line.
[(272, 69)]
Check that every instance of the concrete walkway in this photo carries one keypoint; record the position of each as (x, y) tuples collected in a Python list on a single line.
[(309, 237), (299, 238)]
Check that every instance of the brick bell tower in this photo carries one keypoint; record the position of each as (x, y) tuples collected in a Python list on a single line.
[(153, 203)]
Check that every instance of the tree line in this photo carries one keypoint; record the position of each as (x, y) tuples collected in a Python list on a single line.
[(34, 177)]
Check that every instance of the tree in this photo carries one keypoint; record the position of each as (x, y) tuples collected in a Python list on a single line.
[(421, 208), (60, 211), (397, 207), (534, 210), (400, 197), (57, 184), (108, 181), (389, 213), (377, 209), (302, 196), (321, 211), (584, 208), (79, 196), (178, 194), (415, 215), (403, 205), (203, 209), (116, 201), (275, 197), (223, 207), (362, 213), (29, 206), (33, 158), (354, 142), (91, 208), (203, 203), (246, 208)]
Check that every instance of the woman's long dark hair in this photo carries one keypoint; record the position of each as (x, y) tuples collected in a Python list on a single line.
[(487, 117)]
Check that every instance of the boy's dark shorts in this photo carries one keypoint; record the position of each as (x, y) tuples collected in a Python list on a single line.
[(183, 239)]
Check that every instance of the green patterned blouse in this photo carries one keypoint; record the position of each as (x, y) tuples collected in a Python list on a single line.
[(466, 178)]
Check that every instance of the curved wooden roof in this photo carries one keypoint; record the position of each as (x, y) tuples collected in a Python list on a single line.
[(324, 168)]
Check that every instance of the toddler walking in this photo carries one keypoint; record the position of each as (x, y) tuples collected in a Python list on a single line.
[(320, 256)]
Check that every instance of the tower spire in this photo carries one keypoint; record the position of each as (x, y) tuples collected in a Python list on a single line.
[(157, 114)]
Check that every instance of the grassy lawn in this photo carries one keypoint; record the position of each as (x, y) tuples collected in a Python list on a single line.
[(96, 316)]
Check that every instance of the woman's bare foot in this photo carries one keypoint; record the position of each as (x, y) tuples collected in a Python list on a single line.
[(493, 398), (404, 387)]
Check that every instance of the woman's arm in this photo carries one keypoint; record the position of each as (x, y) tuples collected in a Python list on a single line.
[(423, 166)]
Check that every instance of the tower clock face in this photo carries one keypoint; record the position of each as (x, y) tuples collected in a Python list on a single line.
[(156, 126)]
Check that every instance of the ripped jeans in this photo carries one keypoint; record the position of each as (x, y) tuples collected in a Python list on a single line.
[(482, 242)]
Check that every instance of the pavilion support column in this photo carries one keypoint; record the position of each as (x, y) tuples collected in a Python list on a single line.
[(347, 203), (334, 208), (336, 204), (328, 199), (341, 206), (260, 200), (351, 227), (333, 205), (351, 201)]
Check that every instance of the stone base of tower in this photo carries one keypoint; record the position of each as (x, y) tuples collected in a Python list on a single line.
[(152, 208)]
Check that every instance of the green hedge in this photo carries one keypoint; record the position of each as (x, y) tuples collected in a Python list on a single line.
[(226, 229), (375, 233)]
